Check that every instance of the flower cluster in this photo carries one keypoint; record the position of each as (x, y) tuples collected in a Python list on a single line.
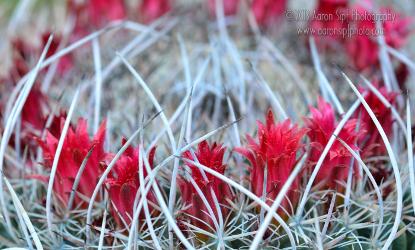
[(96, 13), (362, 49), (271, 155), (206, 198), (123, 182)]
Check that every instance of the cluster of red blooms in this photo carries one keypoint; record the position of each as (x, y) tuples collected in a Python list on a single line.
[(123, 182), (279, 148), (266, 12), (362, 49), (271, 161), (271, 157), (99, 12), (87, 15), (90, 14)]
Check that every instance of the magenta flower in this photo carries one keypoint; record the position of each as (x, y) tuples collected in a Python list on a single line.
[(330, 7), (35, 109), (65, 63), (268, 11), (211, 157), (321, 125), (75, 148), (363, 49), (277, 152), (372, 143), (90, 14), (124, 183), (103, 11), (150, 10), (22, 53)]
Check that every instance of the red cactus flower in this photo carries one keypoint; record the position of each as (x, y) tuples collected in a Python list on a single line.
[(150, 10), (397, 31), (268, 11), (124, 183), (330, 7), (76, 147), (89, 14), (57, 124), (230, 7), (33, 111), (372, 144), (65, 63), (33, 114), (363, 49), (322, 124), (77, 12), (22, 54), (211, 157), (30, 133), (104, 11), (276, 152)]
